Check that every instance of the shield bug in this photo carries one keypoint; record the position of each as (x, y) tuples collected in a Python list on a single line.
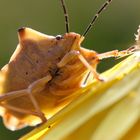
[(45, 69)]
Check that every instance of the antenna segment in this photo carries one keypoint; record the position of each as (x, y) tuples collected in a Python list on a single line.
[(65, 15), (95, 17)]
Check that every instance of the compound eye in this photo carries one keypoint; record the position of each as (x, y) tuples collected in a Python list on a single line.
[(59, 37)]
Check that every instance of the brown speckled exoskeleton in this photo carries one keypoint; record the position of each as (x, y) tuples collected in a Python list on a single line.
[(43, 70)]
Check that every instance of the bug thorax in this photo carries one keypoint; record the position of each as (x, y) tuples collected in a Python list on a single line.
[(29, 37), (30, 40)]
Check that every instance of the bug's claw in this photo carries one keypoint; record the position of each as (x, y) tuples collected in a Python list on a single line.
[(43, 118), (38, 125), (101, 79)]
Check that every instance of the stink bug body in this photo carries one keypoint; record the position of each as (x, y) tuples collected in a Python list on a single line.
[(45, 69)]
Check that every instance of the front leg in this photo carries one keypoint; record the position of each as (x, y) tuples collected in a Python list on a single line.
[(118, 54), (69, 56), (39, 85)]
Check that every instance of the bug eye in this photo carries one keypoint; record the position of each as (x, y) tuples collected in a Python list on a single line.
[(59, 37)]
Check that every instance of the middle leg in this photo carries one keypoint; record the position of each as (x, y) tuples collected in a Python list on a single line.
[(69, 56)]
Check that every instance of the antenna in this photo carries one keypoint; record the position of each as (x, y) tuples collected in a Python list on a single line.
[(65, 15), (95, 17)]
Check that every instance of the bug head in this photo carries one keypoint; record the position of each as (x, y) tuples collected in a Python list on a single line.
[(71, 36), (69, 39)]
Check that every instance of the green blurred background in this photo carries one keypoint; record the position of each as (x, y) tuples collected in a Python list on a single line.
[(114, 30)]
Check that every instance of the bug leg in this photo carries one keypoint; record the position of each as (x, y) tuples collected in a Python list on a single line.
[(69, 56), (37, 86), (92, 69), (37, 108), (20, 110), (16, 94), (13, 94), (117, 53)]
